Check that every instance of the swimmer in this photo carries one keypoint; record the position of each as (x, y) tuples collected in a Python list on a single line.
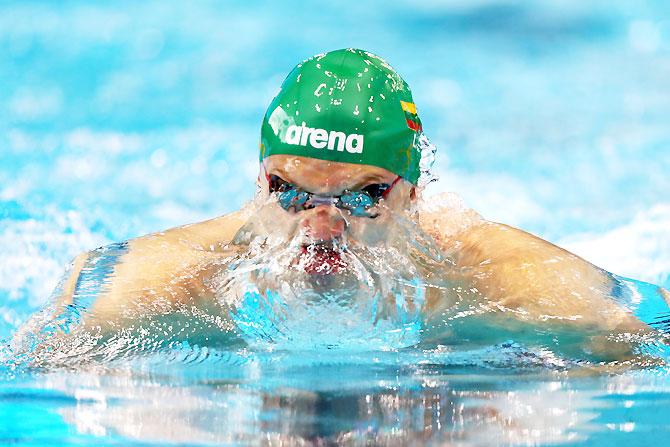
[(338, 213)]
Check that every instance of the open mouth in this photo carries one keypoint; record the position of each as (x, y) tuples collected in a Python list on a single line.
[(322, 258)]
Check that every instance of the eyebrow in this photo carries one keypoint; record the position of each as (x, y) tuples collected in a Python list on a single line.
[(282, 174), (368, 179)]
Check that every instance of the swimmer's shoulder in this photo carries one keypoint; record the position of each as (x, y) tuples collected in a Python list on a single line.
[(517, 255), (212, 235), (492, 240), (175, 256), (472, 240)]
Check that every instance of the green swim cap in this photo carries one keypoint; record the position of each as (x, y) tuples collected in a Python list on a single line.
[(348, 106)]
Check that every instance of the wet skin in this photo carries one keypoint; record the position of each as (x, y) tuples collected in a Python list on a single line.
[(540, 287)]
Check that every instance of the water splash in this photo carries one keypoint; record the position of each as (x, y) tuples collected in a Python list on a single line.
[(375, 300), (428, 152)]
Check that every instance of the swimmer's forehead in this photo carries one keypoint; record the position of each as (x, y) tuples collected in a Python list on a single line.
[(323, 176)]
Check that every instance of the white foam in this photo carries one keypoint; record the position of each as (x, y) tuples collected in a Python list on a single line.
[(501, 198), (35, 254), (37, 103), (639, 249), (644, 36)]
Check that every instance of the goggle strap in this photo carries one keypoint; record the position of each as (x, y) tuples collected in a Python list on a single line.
[(388, 190), (267, 176)]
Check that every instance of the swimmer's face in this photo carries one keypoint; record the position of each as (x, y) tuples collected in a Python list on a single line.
[(327, 222)]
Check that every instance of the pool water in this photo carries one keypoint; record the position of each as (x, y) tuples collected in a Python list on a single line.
[(122, 119), (383, 400)]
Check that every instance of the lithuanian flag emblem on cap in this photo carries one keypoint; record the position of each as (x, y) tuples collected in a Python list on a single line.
[(413, 121)]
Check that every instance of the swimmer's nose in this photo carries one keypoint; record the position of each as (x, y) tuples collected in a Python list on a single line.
[(324, 223)]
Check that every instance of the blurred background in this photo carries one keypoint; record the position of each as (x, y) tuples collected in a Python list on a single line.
[(123, 118)]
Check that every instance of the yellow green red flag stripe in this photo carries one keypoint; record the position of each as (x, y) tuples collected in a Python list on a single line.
[(413, 121)]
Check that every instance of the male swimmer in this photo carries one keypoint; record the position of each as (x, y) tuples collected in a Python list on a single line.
[(338, 247)]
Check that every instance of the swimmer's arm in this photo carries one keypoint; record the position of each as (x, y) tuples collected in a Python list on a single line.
[(533, 287), (156, 272)]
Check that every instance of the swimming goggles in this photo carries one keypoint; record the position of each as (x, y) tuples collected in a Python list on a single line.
[(358, 203)]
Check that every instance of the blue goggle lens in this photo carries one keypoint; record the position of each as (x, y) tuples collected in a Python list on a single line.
[(358, 203)]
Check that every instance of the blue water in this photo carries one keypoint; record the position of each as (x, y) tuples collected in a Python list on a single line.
[(121, 119)]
